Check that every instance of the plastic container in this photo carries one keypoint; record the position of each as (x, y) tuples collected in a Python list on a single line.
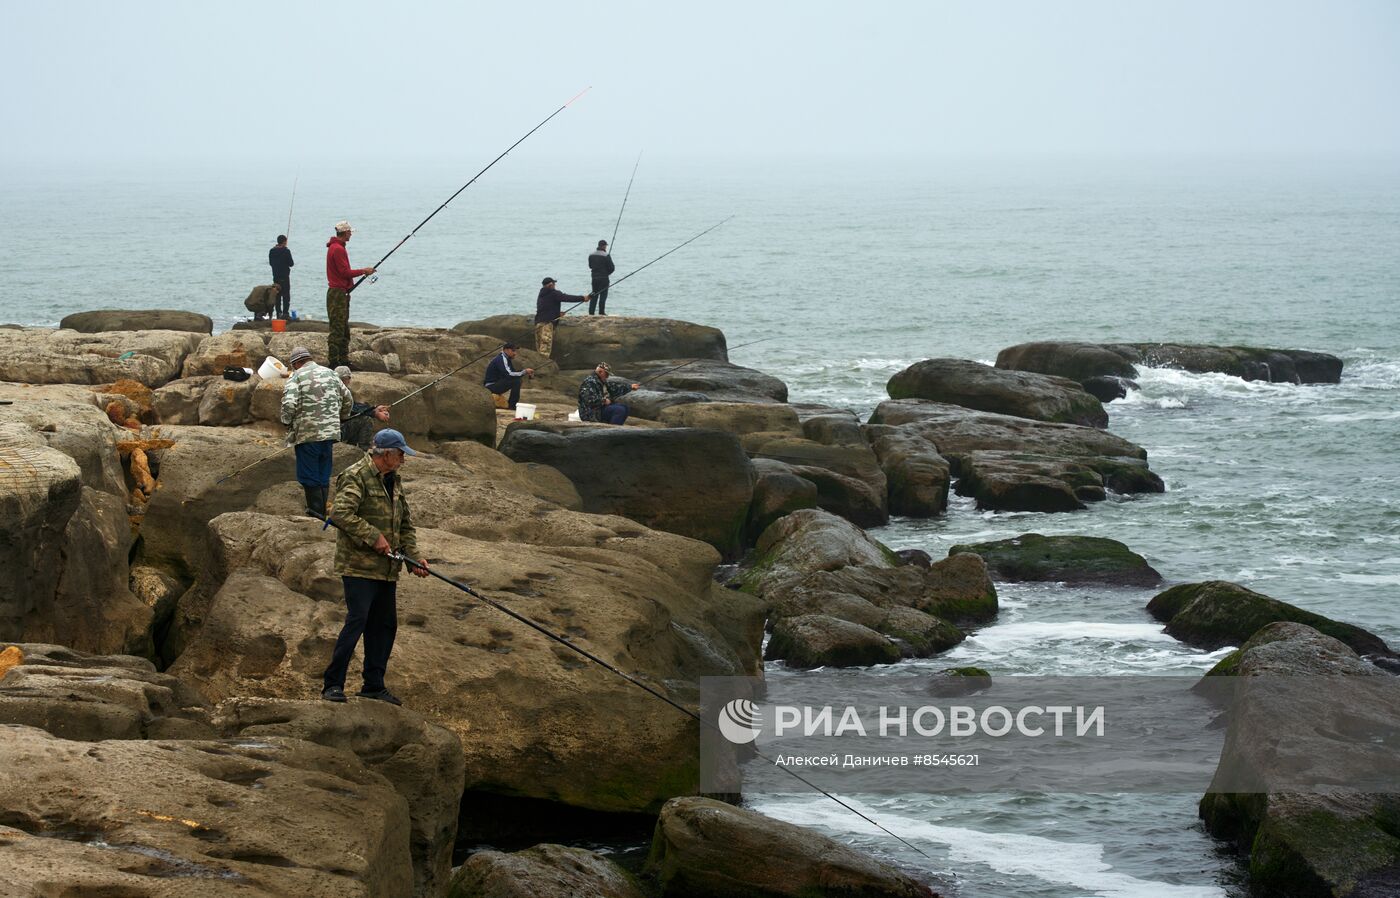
[(524, 411), (271, 368), (573, 416), (279, 325)]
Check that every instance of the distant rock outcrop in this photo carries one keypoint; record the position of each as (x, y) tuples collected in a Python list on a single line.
[(100, 320), (981, 387)]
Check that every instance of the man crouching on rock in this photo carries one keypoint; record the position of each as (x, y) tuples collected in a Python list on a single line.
[(372, 511)]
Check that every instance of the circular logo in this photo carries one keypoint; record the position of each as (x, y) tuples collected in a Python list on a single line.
[(740, 721)]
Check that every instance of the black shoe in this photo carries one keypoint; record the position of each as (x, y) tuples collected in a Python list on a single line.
[(333, 694), (382, 695)]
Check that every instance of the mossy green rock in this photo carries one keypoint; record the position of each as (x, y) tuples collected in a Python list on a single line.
[(1218, 613), (1063, 559)]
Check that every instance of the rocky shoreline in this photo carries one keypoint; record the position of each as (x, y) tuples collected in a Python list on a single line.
[(166, 642)]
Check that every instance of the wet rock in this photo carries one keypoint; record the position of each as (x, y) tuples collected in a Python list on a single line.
[(1328, 842), (805, 541), (917, 634), (706, 849), (46, 356), (423, 762), (1063, 559), (544, 871), (817, 640), (263, 618), (721, 381), (1075, 361), (649, 475), (916, 557), (1217, 613), (100, 320), (917, 478), (958, 589), (80, 696), (236, 349), (582, 341), (734, 417), (984, 388), (1107, 389), (197, 818), (777, 491), (1082, 361), (952, 682)]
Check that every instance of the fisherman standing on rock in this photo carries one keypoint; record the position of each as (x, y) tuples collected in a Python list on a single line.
[(548, 310), (340, 280), (372, 520), (601, 267), (314, 402), (280, 258)]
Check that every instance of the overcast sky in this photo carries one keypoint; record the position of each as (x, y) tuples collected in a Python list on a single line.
[(89, 81)]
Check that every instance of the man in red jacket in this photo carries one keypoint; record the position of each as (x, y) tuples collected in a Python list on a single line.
[(340, 277)]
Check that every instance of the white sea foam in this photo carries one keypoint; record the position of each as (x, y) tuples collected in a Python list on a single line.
[(1075, 864)]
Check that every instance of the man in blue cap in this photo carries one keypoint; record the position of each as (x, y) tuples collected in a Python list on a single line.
[(372, 511)]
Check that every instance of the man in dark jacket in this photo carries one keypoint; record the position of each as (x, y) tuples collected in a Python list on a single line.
[(600, 263), (548, 311), (501, 376), (372, 511), (597, 397), (280, 258), (358, 429)]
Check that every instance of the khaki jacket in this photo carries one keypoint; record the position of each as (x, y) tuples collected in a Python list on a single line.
[(365, 511)]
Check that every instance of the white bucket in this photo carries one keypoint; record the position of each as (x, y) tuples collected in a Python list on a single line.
[(271, 368), (573, 416), (524, 411)]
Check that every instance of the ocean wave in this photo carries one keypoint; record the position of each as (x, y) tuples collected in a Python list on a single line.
[(1079, 865)]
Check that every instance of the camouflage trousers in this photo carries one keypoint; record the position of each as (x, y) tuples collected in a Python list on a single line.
[(544, 338), (338, 340)]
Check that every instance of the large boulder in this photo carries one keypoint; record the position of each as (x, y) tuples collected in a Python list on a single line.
[(197, 819), (100, 320), (544, 871), (235, 349), (650, 404), (805, 541), (178, 401), (777, 491), (649, 475), (66, 527), (719, 380), (1329, 841), (707, 849), (917, 478), (847, 475), (1218, 613), (582, 341), (734, 417), (424, 763), (984, 388), (1028, 481), (536, 720), (89, 698), (46, 356), (1075, 361), (819, 640), (1063, 559)]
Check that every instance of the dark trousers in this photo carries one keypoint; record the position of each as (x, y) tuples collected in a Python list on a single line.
[(600, 297), (510, 383), (370, 611), (613, 414), (284, 297), (314, 463)]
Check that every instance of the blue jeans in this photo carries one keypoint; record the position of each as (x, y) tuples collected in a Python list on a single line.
[(613, 414), (314, 463)]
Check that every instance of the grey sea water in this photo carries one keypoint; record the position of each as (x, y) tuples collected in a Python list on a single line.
[(857, 268)]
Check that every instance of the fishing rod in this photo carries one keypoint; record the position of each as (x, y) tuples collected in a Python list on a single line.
[(648, 265), (292, 206), (574, 647), (469, 183), (624, 203)]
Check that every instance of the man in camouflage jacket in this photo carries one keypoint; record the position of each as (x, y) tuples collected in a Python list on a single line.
[(373, 519), (598, 395), (313, 403)]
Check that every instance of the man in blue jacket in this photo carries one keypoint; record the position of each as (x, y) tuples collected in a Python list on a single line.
[(501, 376)]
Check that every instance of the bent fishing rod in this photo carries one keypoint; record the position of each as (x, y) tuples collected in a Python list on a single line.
[(292, 205), (574, 647), (624, 203), (468, 184), (646, 266)]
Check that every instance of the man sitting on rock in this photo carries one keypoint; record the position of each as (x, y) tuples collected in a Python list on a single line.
[(373, 517), (314, 402), (502, 378), (358, 429), (597, 397)]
